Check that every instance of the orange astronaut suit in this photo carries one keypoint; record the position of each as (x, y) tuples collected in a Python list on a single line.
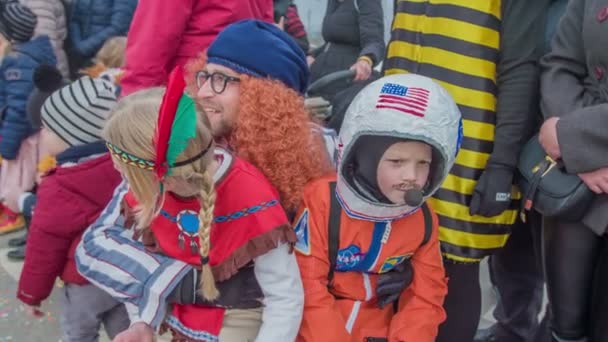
[(375, 235), (349, 311)]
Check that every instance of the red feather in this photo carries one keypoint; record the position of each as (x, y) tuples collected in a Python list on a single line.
[(166, 115)]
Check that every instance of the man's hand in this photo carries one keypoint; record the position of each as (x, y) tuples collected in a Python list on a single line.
[(596, 180), (548, 138), (492, 194), (138, 332), (363, 69)]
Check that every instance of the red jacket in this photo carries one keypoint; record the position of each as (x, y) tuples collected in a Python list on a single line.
[(164, 34), (69, 200)]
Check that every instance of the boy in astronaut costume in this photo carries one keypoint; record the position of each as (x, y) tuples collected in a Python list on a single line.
[(399, 140)]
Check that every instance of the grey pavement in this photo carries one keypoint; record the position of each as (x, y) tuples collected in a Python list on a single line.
[(15, 324)]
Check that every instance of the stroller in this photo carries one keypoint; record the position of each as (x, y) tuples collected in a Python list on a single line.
[(330, 111)]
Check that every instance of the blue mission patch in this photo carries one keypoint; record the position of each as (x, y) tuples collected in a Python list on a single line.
[(303, 234)]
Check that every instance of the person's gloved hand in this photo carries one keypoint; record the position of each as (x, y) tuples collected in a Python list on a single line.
[(492, 194), (392, 283)]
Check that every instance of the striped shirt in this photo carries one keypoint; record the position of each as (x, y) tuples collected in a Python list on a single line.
[(109, 258), (293, 24)]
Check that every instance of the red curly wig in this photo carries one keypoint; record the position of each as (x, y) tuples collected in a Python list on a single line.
[(273, 132)]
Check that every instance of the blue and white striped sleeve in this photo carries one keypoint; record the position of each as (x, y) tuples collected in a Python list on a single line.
[(111, 259)]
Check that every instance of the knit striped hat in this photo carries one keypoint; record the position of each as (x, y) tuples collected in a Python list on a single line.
[(77, 112), (17, 22)]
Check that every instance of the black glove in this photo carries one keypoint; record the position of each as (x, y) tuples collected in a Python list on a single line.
[(392, 283), (241, 291), (492, 193)]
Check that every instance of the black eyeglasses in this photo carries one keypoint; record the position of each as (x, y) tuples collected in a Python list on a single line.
[(218, 80)]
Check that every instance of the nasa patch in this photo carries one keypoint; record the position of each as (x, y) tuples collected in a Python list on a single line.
[(392, 262), (349, 258), (303, 234)]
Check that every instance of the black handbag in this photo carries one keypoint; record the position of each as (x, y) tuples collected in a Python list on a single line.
[(548, 188)]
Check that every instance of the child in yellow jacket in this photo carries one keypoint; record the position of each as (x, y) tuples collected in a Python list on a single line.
[(396, 146)]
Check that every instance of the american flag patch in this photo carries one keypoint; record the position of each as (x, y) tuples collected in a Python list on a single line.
[(408, 100)]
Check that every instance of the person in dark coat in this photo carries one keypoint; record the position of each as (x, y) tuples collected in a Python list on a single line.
[(574, 88), (516, 270), (353, 31), (91, 23)]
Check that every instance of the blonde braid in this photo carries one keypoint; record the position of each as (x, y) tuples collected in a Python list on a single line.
[(207, 199)]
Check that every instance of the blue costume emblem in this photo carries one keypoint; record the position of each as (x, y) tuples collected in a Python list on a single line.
[(392, 262), (188, 222), (303, 234), (349, 258)]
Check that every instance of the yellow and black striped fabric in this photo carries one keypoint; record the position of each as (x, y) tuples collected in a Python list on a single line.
[(457, 42)]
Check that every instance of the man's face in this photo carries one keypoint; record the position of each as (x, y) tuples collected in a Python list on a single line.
[(221, 109)]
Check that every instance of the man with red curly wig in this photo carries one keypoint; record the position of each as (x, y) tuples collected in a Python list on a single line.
[(250, 85)]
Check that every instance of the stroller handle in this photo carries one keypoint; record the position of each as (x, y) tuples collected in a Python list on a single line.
[(319, 85)]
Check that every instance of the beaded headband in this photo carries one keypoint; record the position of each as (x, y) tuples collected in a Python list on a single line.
[(149, 165)]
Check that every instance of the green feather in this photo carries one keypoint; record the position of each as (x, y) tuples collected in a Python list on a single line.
[(182, 130)]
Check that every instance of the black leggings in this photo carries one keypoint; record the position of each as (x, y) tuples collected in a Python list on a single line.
[(599, 308), (462, 304), (571, 255)]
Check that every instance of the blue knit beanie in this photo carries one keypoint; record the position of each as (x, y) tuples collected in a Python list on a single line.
[(260, 49)]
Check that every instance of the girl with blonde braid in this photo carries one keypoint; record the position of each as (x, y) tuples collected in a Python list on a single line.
[(199, 204)]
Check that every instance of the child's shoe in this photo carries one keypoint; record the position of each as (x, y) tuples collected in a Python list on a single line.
[(11, 221)]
